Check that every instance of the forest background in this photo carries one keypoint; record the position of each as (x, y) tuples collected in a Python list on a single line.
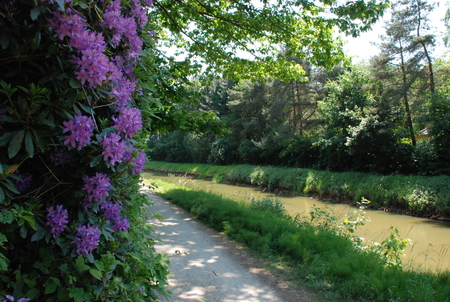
[(387, 115)]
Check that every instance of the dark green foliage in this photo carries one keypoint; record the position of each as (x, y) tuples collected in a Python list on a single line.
[(39, 94)]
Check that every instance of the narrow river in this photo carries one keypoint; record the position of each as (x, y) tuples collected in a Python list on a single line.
[(430, 239)]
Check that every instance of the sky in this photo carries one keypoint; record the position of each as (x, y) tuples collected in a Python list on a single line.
[(362, 48)]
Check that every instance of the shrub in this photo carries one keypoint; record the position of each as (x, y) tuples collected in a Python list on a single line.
[(71, 225)]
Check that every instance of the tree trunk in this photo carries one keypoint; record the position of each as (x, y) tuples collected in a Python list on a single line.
[(425, 50), (405, 98)]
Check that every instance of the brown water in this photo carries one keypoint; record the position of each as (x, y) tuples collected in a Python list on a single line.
[(430, 238)]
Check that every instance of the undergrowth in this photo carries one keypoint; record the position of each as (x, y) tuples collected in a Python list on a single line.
[(424, 196), (321, 251)]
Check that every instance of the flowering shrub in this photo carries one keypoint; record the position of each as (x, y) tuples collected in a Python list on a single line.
[(72, 226)]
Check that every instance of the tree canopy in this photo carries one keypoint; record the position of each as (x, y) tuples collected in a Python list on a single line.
[(243, 39)]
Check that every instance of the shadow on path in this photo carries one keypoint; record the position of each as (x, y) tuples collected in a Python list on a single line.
[(203, 268)]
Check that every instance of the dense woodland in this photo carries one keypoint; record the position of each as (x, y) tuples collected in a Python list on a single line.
[(388, 115)]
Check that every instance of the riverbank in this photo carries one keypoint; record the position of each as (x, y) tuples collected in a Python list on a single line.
[(313, 256), (420, 196)]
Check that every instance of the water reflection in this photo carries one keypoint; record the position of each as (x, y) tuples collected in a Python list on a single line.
[(430, 238)]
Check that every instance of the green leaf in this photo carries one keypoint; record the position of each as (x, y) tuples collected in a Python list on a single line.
[(30, 220), (4, 263), (50, 288), (29, 145), (39, 140), (16, 144), (96, 161), (33, 293), (2, 195), (6, 138), (4, 41), (39, 234), (35, 12), (23, 230), (81, 266), (74, 83), (6, 216), (61, 5), (90, 258), (96, 273)]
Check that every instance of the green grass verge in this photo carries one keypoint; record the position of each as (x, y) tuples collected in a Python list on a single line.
[(327, 263), (416, 195)]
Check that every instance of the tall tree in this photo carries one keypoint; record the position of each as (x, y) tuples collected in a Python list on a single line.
[(403, 50)]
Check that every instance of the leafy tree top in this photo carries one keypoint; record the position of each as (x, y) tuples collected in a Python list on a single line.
[(216, 33)]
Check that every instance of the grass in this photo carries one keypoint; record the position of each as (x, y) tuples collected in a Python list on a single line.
[(416, 195), (327, 263)]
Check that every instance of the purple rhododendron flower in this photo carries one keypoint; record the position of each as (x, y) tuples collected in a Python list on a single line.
[(57, 219), (97, 186), (121, 224), (122, 93), (129, 121), (60, 157), (115, 149), (24, 183), (112, 212), (11, 299), (111, 209), (87, 239), (139, 162), (80, 129)]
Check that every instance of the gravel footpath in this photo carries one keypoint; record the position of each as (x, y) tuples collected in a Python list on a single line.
[(208, 267)]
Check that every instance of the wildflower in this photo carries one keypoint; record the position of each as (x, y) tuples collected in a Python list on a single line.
[(60, 157), (97, 186), (114, 149), (129, 121), (57, 219), (88, 238), (80, 129), (24, 183)]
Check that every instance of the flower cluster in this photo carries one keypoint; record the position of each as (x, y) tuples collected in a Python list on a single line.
[(112, 212), (93, 64), (129, 121), (114, 149), (87, 239), (139, 162), (57, 219), (11, 299), (97, 186), (24, 183), (80, 129), (103, 56), (60, 157)]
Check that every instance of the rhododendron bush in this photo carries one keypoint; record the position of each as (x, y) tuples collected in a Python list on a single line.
[(72, 111)]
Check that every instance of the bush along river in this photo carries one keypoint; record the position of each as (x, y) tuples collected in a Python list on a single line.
[(429, 239)]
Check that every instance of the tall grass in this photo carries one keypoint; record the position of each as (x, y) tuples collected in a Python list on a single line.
[(417, 195), (320, 258)]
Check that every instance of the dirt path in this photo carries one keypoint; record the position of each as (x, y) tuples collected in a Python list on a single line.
[(208, 267)]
